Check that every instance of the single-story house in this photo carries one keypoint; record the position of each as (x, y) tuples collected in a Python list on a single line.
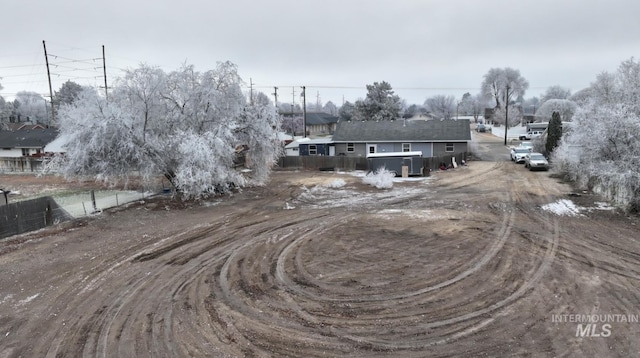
[(311, 147), (433, 138), (318, 123), (293, 149), (24, 149)]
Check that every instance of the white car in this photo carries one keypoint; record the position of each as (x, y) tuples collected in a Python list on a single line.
[(518, 154), (526, 145), (536, 161), (530, 135)]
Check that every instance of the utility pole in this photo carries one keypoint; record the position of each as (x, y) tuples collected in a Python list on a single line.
[(251, 91), (104, 67), (318, 101), (304, 113), (275, 96), (46, 59), (506, 115), (293, 105)]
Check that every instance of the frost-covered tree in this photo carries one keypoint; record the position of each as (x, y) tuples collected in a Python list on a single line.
[(347, 111), (380, 104), (599, 148), (629, 83), (184, 125), (67, 94), (293, 123), (477, 106), (261, 98), (564, 107), (605, 90), (441, 106), (330, 108), (31, 106), (465, 105), (284, 107), (556, 92), (413, 110), (582, 96), (503, 85), (515, 116)]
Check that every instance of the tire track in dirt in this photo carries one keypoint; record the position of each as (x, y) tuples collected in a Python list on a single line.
[(361, 281), (303, 294), (478, 177)]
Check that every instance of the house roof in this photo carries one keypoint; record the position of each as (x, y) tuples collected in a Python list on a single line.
[(314, 118), (321, 118), (22, 126), (403, 130), (296, 143), (27, 138), (57, 145)]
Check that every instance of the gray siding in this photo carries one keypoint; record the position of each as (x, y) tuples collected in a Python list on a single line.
[(359, 150), (439, 149), (425, 148), (385, 147)]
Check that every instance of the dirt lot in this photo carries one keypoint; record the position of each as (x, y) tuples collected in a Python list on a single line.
[(466, 263)]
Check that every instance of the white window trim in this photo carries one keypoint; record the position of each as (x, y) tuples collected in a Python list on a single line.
[(351, 147), (446, 147), (403, 144)]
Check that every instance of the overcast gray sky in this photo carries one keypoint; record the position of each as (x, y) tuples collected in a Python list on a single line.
[(335, 48)]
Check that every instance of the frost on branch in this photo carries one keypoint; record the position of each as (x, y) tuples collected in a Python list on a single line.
[(183, 125)]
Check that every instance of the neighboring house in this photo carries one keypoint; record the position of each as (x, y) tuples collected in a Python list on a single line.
[(293, 149), (433, 138), (24, 149), (317, 123), (321, 123), (316, 147)]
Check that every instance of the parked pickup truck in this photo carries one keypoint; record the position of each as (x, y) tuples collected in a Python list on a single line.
[(530, 135)]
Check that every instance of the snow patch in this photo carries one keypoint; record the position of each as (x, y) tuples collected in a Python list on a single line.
[(28, 299), (565, 207)]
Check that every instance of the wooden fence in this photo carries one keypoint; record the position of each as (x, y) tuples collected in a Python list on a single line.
[(355, 163)]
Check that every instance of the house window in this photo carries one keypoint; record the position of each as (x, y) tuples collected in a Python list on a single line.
[(406, 147), (294, 149), (313, 149), (351, 147), (448, 147), (25, 152)]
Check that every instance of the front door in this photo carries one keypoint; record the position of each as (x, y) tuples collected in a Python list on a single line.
[(372, 149)]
